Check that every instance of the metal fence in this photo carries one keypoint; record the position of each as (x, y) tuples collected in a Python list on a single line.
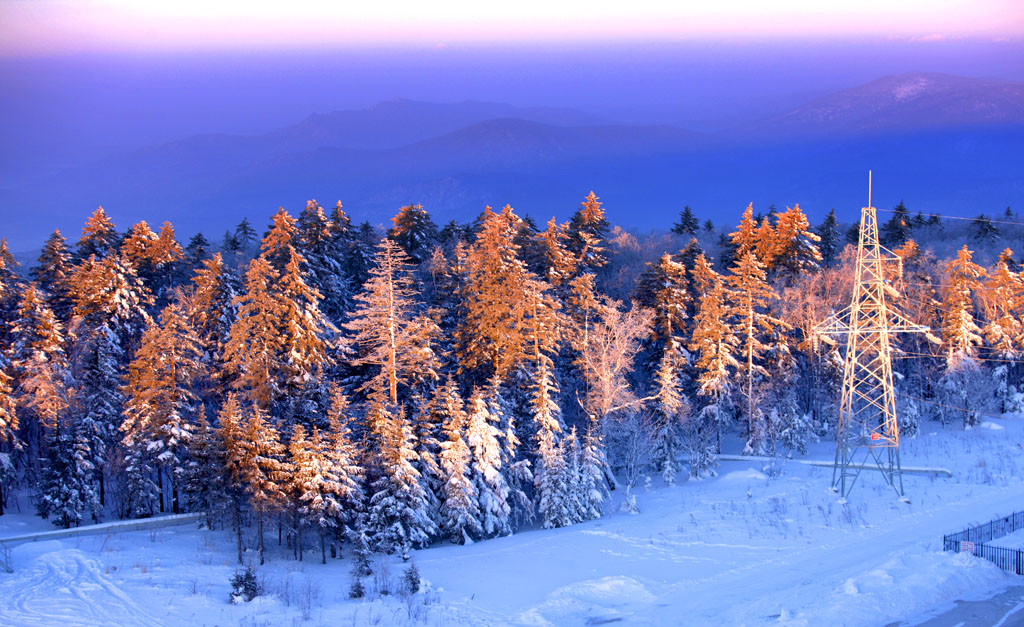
[(973, 541)]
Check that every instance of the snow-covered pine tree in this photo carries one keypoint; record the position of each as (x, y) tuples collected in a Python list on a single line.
[(212, 311), (344, 460), (391, 333), (159, 409), (751, 297), (313, 486), (593, 481), (53, 274), (67, 483), (588, 232), (745, 238), (41, 373), (491, 338), (715, 343), (1004, 302), (484, 438), (99, 236), (254, 350), (795, 244), (231, 437), (263, 469), (324, 260), (961, 335), (671, 410), (460, 512), (414, 231), (204, 481), (398, 517)]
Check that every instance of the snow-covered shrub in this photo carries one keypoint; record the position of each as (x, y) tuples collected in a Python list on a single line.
[(411, 579), (245, 586)]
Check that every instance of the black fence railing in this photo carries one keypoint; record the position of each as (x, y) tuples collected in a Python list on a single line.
[(973, 541)]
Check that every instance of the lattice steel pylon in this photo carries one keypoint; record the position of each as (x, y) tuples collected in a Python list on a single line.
[(868, 431)]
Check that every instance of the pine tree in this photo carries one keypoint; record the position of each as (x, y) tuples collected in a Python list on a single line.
[(588, 232), (343, 457), (262, 467), (392, 335), (715, 343), (751, 296), (67, 490), (40, 369), (492, 338), (254, 350), (795, 245), (323, 250), (960, 333), (828, 232), (460, 513), (744, 239), (672, 409), (53, 275), (414, 231), (688, 223), (231, 436), (244, 236), (398, 516), (593, 477), (315, 485), (1005, 297), (159, 407), (197, 250), (554, 261), (484, 439), (212, 310), (203, 482), (896, 230), (99, 236)]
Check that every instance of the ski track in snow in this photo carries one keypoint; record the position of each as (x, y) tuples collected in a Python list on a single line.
[(67, 588)]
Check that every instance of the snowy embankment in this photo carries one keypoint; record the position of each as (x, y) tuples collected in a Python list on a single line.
[(741, 548)]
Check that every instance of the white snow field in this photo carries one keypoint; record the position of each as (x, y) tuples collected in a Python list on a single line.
[(742, 548)]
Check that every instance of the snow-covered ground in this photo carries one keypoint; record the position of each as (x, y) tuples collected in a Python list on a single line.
[(743, 548)]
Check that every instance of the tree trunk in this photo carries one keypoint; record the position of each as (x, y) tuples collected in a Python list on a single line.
[(238, 527), (323, 546), (259, 532)]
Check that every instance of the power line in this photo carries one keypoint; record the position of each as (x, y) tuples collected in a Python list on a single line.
[(978, 219)]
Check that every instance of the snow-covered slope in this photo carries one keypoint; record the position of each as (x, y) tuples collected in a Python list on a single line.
[(744, 548)]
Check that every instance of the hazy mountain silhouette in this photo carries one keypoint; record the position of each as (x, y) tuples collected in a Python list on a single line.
[(901, 104), (947, 142)]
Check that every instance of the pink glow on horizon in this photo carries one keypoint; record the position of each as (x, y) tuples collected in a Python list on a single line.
[(63, 26)]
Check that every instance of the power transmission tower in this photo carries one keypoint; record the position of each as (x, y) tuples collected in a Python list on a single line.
[(868, 436)]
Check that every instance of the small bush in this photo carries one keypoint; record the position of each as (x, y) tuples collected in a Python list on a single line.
[(245, 586), (356, 590), (411, 579)]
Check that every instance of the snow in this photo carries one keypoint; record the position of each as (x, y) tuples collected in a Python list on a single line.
[(1014, 540), (741, 548)]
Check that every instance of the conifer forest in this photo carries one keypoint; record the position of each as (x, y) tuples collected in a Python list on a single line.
[(363, 391)]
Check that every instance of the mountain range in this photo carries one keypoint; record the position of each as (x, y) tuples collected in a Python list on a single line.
[(943, 143)]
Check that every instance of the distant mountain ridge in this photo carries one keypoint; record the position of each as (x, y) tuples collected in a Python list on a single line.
[(943, 137), (902, 103)]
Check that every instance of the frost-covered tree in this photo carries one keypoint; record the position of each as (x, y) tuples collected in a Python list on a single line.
[(795, 245), (460, 512), (960, 333), (211, 312), (160, 406), (53, 275), (324, 255), (203, 481), (830, 243), (588, 234), (253, 352), (41, 372), (398, 516), (99, 236), (414, 231), (750, 300), (715, 343), (1004, 302), (393, 336), (262, 468), (484, 437)]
